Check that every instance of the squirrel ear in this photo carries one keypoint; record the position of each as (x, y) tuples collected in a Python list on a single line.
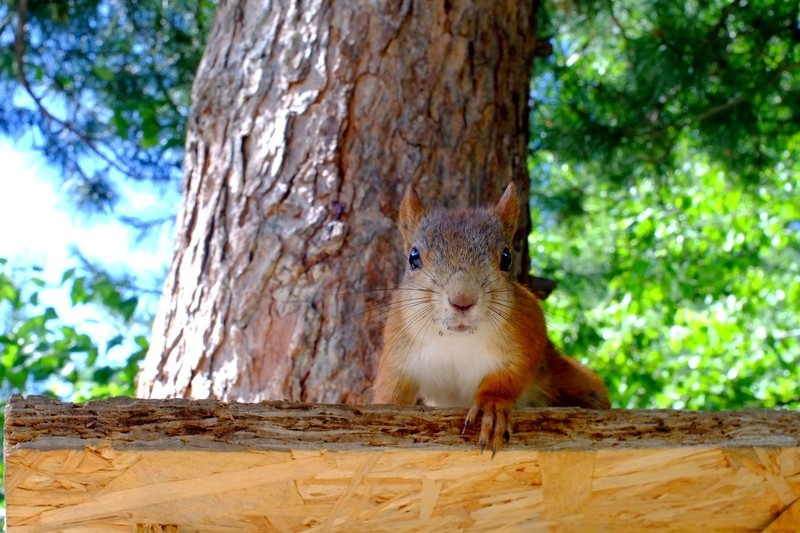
[(507, 210), (411, 214)]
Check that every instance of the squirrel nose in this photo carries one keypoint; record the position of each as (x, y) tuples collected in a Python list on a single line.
[(462, 302)]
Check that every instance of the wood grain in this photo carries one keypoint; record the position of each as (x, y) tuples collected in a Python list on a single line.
[(177, 465)]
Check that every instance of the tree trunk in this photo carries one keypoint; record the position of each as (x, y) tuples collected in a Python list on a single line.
[(309, 120)]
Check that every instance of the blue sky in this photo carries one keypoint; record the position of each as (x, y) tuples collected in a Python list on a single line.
[(45, 225), (40, 228)]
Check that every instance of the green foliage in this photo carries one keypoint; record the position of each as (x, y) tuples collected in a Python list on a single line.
[(104, 85), (102, 89), (666, 145), (41, 353)]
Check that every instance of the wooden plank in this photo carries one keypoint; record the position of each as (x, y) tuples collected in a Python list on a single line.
[(178, 465)]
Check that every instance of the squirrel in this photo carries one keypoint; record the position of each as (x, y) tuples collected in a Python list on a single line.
[(462, 333)]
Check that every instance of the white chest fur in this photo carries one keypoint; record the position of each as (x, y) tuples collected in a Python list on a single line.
[(449, 367)]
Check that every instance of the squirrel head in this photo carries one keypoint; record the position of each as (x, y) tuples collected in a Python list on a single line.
[(412, 213), (461, 255)]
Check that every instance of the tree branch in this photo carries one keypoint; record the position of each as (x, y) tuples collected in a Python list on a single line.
[(19, 53)]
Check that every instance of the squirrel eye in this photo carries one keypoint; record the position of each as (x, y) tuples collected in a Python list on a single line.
[(414, 259), (505, 260)]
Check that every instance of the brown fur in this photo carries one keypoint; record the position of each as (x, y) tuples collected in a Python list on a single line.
[(460, 291)]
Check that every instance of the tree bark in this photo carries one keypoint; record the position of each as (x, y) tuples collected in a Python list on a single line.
[(309, 120), (40, 421)]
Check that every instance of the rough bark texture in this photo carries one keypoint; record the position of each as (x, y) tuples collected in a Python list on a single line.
[(210, 424), (309, 119)]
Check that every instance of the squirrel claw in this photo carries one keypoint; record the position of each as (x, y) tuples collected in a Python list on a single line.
[(472, 415), (495, 426)]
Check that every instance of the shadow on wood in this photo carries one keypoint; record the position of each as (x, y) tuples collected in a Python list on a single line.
[(177, 465)]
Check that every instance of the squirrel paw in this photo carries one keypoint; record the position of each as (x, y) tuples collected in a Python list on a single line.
[(495, 424)]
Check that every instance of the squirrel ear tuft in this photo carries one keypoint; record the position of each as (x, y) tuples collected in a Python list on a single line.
[(412, 211), (507, 210)]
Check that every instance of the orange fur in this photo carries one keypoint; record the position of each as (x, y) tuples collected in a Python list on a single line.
[(460, 331)]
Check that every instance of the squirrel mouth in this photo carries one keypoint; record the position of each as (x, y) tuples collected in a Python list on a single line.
[(459, 328)]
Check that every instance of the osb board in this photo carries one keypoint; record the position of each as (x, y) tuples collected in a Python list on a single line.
[(205, 466)]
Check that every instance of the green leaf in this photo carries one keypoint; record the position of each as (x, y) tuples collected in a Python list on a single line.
[(103, 73), (67, 275), (150, 131), (128, 307), (79, 294), (114, 342)]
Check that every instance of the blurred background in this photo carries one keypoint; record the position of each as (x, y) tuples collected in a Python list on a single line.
[(664, 161)]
